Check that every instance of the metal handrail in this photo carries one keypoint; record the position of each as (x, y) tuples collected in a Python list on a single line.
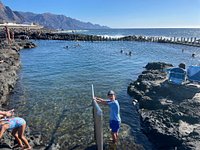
[(98, 122)]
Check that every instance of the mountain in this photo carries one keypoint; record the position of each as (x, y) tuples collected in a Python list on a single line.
[(6, 14), (58, 21), (47, 20)]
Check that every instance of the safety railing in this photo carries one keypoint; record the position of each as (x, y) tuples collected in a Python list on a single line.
[(98, 122)]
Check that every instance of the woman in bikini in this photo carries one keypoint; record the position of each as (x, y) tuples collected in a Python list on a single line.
[(17, 125)]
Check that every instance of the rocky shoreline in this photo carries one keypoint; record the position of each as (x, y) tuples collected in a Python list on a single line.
[(170, 113), (9, 66)]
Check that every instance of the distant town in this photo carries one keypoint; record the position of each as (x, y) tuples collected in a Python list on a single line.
[(15, 25)]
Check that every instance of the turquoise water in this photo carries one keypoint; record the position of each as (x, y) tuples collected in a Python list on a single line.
[(53, 92)]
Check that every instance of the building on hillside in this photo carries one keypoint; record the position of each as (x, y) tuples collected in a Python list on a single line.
[(26, 26)]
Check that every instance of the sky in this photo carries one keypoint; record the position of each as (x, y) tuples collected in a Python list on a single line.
[(119, 13)]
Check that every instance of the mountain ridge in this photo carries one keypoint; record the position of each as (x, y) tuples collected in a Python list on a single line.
[(48, 20)]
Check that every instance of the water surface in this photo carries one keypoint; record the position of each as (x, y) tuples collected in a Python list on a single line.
[(53, 92)]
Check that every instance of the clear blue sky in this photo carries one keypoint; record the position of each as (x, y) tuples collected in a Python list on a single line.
[(119, 13)]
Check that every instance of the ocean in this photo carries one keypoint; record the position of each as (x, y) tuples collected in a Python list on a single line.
[(164, 32), (53, 92)]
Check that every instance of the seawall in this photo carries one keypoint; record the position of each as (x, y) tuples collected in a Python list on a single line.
[(50, 35)]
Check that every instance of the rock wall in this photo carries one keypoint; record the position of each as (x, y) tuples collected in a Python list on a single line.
[(9, 66), (170, 113)]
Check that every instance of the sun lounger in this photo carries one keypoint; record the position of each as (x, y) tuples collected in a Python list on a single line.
[(177, 75), (193, 73)]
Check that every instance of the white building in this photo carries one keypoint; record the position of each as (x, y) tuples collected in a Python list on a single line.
[(15, 25)]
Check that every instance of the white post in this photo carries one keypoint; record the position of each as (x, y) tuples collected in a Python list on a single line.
[(92, 92), (98, 122)]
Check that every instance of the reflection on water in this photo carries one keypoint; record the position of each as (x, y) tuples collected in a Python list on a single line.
[(54, 90)]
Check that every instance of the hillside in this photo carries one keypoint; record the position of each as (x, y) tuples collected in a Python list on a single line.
[(47, 20), (6, 14), (58, 21)]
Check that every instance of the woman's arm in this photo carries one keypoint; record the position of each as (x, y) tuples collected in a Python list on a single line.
[(7, 113), (3, 114), (100, 100), (3, 128)]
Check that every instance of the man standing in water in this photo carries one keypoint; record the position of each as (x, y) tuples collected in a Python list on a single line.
[(115, 118)]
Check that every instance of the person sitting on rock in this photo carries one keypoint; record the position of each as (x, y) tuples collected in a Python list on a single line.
[(17, 125), (181, 65)]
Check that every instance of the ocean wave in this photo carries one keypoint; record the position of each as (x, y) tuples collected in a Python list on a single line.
[(149, 36), (71, 31), (112, 36), (121, 36)]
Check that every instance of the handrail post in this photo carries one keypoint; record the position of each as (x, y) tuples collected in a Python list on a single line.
[(98, 122)]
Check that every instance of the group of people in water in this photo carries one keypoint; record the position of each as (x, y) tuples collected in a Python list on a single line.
[(127, 53), (193, 54), (16, 126), (74, 46)]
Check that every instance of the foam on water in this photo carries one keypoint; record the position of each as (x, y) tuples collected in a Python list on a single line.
[(112, 36), (71, 31)]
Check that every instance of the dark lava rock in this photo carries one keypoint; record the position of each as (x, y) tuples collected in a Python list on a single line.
[(157, 66), (170, 113)]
